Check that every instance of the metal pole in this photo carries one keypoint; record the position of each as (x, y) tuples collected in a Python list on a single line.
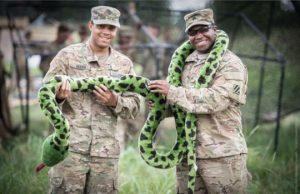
[(27, 75), (262, 67), (25, 112), (11, 27), (281, 82)]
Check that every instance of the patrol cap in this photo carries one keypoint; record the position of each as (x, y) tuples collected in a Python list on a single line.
[(200, 17), (105, 15)]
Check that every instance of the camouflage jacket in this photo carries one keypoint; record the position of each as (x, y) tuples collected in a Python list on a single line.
[(217, 107), (93, 126)]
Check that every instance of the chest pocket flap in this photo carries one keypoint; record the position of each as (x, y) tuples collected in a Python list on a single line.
[(117, 70)]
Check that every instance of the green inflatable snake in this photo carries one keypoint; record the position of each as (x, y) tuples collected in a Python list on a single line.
[(55, 147)]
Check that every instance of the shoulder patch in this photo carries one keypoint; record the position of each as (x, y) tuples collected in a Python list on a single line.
[(236, 89)]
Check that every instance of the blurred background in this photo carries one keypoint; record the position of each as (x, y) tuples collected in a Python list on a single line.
[(265, 34)]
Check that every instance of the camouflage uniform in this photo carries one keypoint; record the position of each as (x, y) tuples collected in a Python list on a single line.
[(220, 146), (92, 164)]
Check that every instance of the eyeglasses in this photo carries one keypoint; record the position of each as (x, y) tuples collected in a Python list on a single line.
[(201, 28)]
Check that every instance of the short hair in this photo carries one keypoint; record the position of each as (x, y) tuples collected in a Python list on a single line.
[(83, 30), (63, 28)]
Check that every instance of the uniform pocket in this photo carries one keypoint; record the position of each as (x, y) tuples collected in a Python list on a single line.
[(101, 186), (115, 71), (115, 74), (119, 68), (56, 181)]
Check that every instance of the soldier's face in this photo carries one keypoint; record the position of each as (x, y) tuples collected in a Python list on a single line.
[(63, 36), (202, 37), (102, 35)]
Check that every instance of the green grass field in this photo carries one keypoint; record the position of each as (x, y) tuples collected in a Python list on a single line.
[(272, 173)]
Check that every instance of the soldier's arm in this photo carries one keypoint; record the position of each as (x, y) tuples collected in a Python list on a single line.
[(229, 87), (128, 104)]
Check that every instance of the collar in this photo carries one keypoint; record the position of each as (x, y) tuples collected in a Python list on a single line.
[(91, 57), (196, 56)]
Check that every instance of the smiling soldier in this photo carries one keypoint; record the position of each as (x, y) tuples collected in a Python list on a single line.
[(92, 163)]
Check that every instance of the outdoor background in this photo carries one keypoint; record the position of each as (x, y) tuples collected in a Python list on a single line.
[(265, 34)]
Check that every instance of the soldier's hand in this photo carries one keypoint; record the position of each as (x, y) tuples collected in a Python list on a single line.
[(64, 91), (105, 96), (160, 86), (150, 104)]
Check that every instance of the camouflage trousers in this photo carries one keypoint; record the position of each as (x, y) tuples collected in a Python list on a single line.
[(80, 173), (227, 175)]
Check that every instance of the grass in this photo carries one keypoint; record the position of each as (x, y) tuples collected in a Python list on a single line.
[(271, 173), (17, 167), (137, 177), (274, 172)]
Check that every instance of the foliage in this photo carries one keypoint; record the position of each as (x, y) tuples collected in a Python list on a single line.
[(17, 167), (257, 11), (274, 172)]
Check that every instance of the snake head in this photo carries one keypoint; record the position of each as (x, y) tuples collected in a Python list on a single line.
[(52, 154)]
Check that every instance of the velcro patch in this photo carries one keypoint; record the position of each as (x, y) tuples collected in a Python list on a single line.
[(236, 89), (80, 66)]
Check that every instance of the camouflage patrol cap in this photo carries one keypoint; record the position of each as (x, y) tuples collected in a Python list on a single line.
[(105, 15), (200, 17)]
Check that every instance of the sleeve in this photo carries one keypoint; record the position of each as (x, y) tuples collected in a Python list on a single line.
[(229, 87), (128, 105), (58, 66)]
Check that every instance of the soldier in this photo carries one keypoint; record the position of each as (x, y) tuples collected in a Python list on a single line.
[(126, 41), (221, 148), (51, 49), (92, 164), (83, 33)]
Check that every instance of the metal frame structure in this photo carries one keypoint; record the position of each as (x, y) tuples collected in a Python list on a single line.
[(156, 45), (279, 59)]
